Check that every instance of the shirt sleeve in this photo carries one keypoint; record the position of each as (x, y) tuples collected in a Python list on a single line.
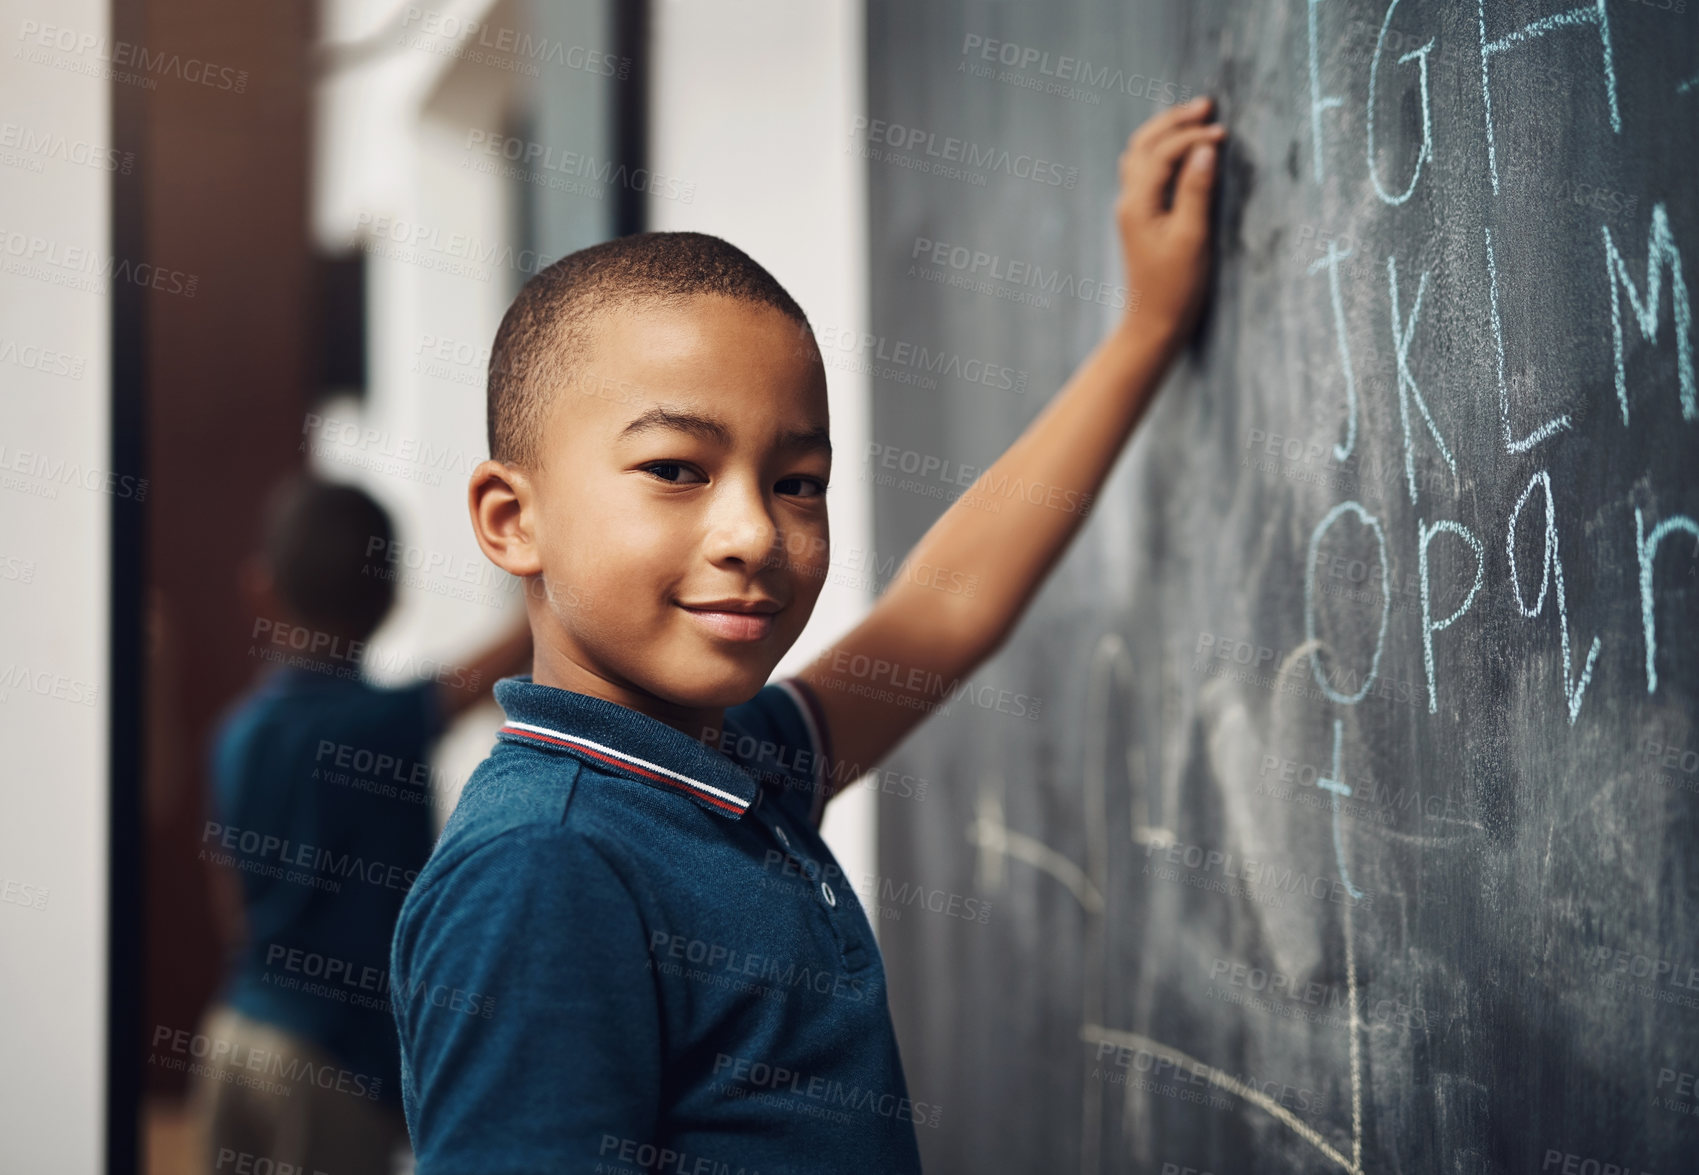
[(795, 763), (529, 1023)]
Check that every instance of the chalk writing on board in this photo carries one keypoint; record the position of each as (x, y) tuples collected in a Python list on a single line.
[(1336, 784), (1661, 254), (1318, 101), (1223, 559), (996, 840), (1310, 638), (1585, 14), (1557, 423), (997, 843), (1112, 663), (1551, 574), (1646, 551), (1425, 535), (1420, 55), (1331, 264), (1407, 389), (1098, 1034)]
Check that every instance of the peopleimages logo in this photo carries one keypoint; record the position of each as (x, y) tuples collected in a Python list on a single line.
[(973, 263), (1067, 69), (938, 150), (37, 37), (78, 152), (905, 361), (42, 359), (1267, 876), (661, 1160), (477, 34), (418, 242), (267, 1061), (768, 969), (259, 847), (534, 161), (248, 1163), (755, 1074), (79, 267), (365, 986)]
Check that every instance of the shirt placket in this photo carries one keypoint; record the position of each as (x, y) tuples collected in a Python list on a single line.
[(832, 901)]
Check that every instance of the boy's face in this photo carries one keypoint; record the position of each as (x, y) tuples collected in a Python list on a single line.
[(686, 468)]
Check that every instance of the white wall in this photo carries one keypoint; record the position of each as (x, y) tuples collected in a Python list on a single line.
[(54, 540), (752, 101)]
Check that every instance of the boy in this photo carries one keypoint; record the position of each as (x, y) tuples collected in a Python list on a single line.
[(635, 875), (322, 801)]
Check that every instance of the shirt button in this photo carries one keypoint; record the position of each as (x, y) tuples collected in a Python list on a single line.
[(780, 833), (826, 891)]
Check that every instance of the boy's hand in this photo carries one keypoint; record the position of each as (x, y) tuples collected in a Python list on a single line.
[(1166, 246)]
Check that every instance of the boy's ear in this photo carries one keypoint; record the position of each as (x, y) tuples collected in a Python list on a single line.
[(503, 505)]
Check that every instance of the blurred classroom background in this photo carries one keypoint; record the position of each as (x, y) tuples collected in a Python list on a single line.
[(246, 240)]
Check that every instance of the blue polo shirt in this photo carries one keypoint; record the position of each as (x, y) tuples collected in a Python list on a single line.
[(631, 951), (321, 801)]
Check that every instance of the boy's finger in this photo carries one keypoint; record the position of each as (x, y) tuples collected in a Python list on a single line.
[(1147, 175), (1191, 189), (1158, 125), (1167, 151)]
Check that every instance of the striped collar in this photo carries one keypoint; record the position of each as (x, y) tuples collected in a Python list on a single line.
[(614, 738)]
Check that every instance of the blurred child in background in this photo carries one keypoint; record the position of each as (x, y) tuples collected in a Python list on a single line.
[(322, 803)]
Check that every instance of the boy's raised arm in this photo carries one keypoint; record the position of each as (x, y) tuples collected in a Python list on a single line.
[(996, 543)]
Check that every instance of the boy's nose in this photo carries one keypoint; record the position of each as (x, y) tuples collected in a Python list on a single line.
[(745, 533)]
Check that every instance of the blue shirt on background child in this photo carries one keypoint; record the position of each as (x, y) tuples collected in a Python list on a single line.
[(322, 799)]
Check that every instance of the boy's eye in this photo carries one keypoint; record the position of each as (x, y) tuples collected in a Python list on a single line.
[(808, 484), (667, 468), (672, 472)]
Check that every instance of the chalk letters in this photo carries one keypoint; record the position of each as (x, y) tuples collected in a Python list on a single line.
[(1427, 149), (1373, 524), (1331, 262), (1318, 101), (1661, 253), (1426, 534), (1646, 547), (1407, 389), (1586, 13), (1557, 423), (1551, 571)]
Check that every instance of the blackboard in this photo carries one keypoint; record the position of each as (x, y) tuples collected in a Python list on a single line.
[(1350, 821)]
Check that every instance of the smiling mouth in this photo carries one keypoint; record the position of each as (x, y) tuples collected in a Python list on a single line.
[(733, 626)]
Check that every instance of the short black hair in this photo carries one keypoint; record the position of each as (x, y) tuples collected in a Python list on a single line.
[(317, 540), (540, 345)]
